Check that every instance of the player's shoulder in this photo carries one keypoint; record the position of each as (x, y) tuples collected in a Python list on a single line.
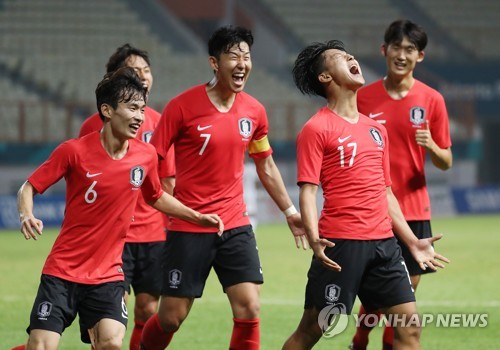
[(194, 91), (316, 123), (422, 88), (249, 99), (79, 144)]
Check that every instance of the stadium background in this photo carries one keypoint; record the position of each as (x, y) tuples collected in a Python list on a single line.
[(53, 53)]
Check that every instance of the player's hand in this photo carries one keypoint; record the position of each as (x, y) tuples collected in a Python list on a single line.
[(212, 220), (424, 254), (299, 233), (424, 137), (318, 246), (31, 227)]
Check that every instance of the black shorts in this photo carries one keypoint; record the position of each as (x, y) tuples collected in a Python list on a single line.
[(59, 301), (143, 265), (421, 229), (372, 270), (190, 257)]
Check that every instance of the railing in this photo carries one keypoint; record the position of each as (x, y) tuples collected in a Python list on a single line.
[(37, 122)]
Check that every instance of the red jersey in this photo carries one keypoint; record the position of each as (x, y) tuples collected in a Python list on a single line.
[(101, 195), (351, 162), (148, 224), (402, 118), (210, 149)]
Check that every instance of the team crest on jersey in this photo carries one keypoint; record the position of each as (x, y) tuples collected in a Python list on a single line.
[(417, 115), (146, 137), (377, 137), (245, 126), (174, 278), (137, 175), (332, 293), (44, 310)]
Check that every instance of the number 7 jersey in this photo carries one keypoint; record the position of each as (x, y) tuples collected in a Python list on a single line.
[(210, 148)]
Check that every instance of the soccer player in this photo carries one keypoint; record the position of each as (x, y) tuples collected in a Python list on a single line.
[(212, 126), (144, 251), (416, 120), (105, 173), (355, 252)]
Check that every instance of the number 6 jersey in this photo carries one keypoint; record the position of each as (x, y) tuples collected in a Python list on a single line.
[(101, 194)]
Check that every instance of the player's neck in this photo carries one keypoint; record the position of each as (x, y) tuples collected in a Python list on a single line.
[(116, 148), (345, 107), (398, 87), (221, 99)]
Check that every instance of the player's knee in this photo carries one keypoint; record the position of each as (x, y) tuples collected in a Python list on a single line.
[(308, 335), (408, 335), (111, 343), (253, 308), (249, 309), (170, 322), (143, 312)]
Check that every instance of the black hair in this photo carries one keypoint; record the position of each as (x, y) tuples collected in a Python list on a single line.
[(121, 85), (117, 59), (226, 37), (309, 64), (402, 28)]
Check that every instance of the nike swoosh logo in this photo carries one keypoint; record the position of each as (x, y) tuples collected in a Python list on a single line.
[(341, 140), (200, 128), (375, 115), (92, 175)]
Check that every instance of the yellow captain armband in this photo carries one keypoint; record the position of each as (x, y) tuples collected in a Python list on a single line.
[(259, 146)]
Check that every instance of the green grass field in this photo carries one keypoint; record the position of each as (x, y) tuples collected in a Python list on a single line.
[(468, 285)]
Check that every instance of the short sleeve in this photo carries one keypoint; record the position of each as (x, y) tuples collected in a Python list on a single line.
[(310, 152)]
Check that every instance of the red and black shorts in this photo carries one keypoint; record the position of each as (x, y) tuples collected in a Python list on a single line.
[(191, 256)]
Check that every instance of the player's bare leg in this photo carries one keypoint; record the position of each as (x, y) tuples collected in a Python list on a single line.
[(388, 337), (42, 339), (307, 333), (107, 334), (160, 328), (360, 339), (145, 306), (245, 304), (407, 332)]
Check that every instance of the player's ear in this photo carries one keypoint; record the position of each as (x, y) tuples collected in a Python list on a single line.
[(383, 50), (106, 110), (324, 77), (421, 55), (213, 63)]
